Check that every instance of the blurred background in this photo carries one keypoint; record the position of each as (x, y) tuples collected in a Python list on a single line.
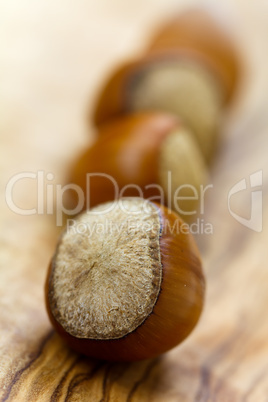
[(55, 56)]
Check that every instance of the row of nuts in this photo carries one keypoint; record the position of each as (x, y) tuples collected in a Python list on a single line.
[(130, 286)]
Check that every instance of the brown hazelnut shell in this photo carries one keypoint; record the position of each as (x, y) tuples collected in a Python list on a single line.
[(197, 31), (114, 98), (175, 313), (126, 149)]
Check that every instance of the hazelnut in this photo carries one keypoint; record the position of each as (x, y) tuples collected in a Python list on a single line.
[(169, 81), (130, 286), (198, 31), (151, 155)]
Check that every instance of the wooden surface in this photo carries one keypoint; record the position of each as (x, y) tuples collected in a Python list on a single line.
[(54, 55)]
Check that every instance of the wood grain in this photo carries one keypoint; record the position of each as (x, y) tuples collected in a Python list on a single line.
[(54, 56)]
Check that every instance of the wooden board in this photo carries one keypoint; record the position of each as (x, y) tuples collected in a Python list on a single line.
[(54, 56)]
